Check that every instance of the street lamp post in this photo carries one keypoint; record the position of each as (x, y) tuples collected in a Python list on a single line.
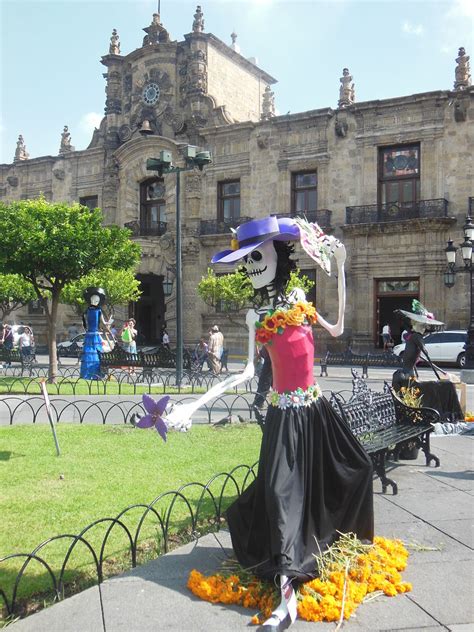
[(450, 279), (164, 164)]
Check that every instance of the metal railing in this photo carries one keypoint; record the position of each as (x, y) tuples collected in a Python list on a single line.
[(321, 216), (395, 212), (220, 227), (140, 531), (153, 230)]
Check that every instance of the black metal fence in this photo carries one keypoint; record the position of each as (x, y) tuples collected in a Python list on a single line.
[(15, 410), (138, 533), (220, 227), (395, 212), (116, 382), (321, 216)]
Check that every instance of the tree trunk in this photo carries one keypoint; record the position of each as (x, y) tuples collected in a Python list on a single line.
[(52, 330)]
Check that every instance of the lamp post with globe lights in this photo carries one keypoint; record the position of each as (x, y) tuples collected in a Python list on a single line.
[(467, 253)]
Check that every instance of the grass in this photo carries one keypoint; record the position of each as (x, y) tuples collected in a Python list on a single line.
[(102, 470), (65, 386)]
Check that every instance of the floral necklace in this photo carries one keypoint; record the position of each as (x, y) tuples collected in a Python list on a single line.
[(276, 321)]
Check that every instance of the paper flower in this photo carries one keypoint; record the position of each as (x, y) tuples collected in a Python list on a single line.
[(154, 418)]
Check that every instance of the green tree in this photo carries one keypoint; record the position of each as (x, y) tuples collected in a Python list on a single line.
[(233, 292), (120, 286), (53, 244), (15, 292)]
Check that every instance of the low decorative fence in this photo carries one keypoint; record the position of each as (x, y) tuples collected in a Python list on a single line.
[(139, 533), (14, 410), (117, 382)]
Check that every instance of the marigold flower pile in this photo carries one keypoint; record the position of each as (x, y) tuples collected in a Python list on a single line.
[(276, 321), (320, 599)]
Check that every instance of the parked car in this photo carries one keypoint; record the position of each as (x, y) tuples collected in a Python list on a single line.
[(446, 347), (73, 348)]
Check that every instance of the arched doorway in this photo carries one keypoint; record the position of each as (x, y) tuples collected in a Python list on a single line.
[(149, 310)]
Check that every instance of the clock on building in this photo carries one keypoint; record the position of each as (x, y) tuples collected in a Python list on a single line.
[(151, 93)]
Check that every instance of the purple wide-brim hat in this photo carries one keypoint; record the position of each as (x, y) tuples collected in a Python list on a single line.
[(255, 233)]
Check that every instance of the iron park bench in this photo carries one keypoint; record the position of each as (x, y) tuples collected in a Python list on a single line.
[(346, 358), (383, 424), (14, 356), (162, 358)]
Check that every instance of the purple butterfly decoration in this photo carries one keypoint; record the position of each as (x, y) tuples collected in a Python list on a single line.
[(154, 414)]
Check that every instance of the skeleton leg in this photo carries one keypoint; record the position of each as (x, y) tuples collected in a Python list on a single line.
[(285, 614)]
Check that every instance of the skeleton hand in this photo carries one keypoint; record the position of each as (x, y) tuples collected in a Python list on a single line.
[(249, 371), (339, 253), (180, 417)]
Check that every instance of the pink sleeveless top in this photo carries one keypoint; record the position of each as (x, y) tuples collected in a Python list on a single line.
[(292, 356)]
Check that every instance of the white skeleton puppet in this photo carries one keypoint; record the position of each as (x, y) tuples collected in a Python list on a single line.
[(261, 264)]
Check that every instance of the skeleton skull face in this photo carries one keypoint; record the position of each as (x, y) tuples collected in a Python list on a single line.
[(261, 265), (94, 300), (418, 327)]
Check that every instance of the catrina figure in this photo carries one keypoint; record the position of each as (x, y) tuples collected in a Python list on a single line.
[(314, 479), (92, 317)]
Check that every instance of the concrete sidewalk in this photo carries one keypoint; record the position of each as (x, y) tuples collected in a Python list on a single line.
[(434, 507)]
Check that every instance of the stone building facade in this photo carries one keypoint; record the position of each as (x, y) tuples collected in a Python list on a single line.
[(392, 178)]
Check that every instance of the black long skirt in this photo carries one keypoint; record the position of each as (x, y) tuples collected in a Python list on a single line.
[(314, 479)]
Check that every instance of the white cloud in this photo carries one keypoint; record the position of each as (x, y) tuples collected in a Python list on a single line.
[(413, 29), (462, 8), (90, 121)]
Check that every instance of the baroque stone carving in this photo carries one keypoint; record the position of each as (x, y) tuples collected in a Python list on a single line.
[(12, 181), (262, 141), (347, 89), (114, 48), (268, 104), (198, 24), (341, 128), (462, 72), (460, 110), (193, 183), (125, 133), (134, 226), (65, 146), (59, 173), (156, 32), (20, 151)]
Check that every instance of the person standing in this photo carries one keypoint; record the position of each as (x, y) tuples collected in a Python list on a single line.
[(25, 342), (386, 337), (216, 349), (128, 336)]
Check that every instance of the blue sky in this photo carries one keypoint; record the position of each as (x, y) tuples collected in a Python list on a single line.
[(51, 73)]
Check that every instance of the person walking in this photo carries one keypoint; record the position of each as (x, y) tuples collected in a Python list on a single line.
[(165, 340)]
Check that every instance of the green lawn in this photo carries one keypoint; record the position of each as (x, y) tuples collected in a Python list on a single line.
[(102, 470), (67, 386)]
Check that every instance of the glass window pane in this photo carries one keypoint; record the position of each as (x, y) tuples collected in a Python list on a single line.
[(231, 188), (312, 200), (408, 191), (227, 209), (162, 208), (300, 202), (391, 192), (400, 161), (154, 214), (305, 180)]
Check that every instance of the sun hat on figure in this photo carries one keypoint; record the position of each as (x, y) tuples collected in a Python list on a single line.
[(252, 234), (420, 315)]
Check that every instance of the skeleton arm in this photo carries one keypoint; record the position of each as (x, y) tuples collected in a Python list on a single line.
[(338, 328), (181, 414)]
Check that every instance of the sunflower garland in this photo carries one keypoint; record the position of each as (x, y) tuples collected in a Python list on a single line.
[(276, 321), (347, 579)]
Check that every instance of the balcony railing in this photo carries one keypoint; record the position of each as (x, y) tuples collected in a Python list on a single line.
[(220, 227), (143, 229), (321, 216), (394, 212)]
